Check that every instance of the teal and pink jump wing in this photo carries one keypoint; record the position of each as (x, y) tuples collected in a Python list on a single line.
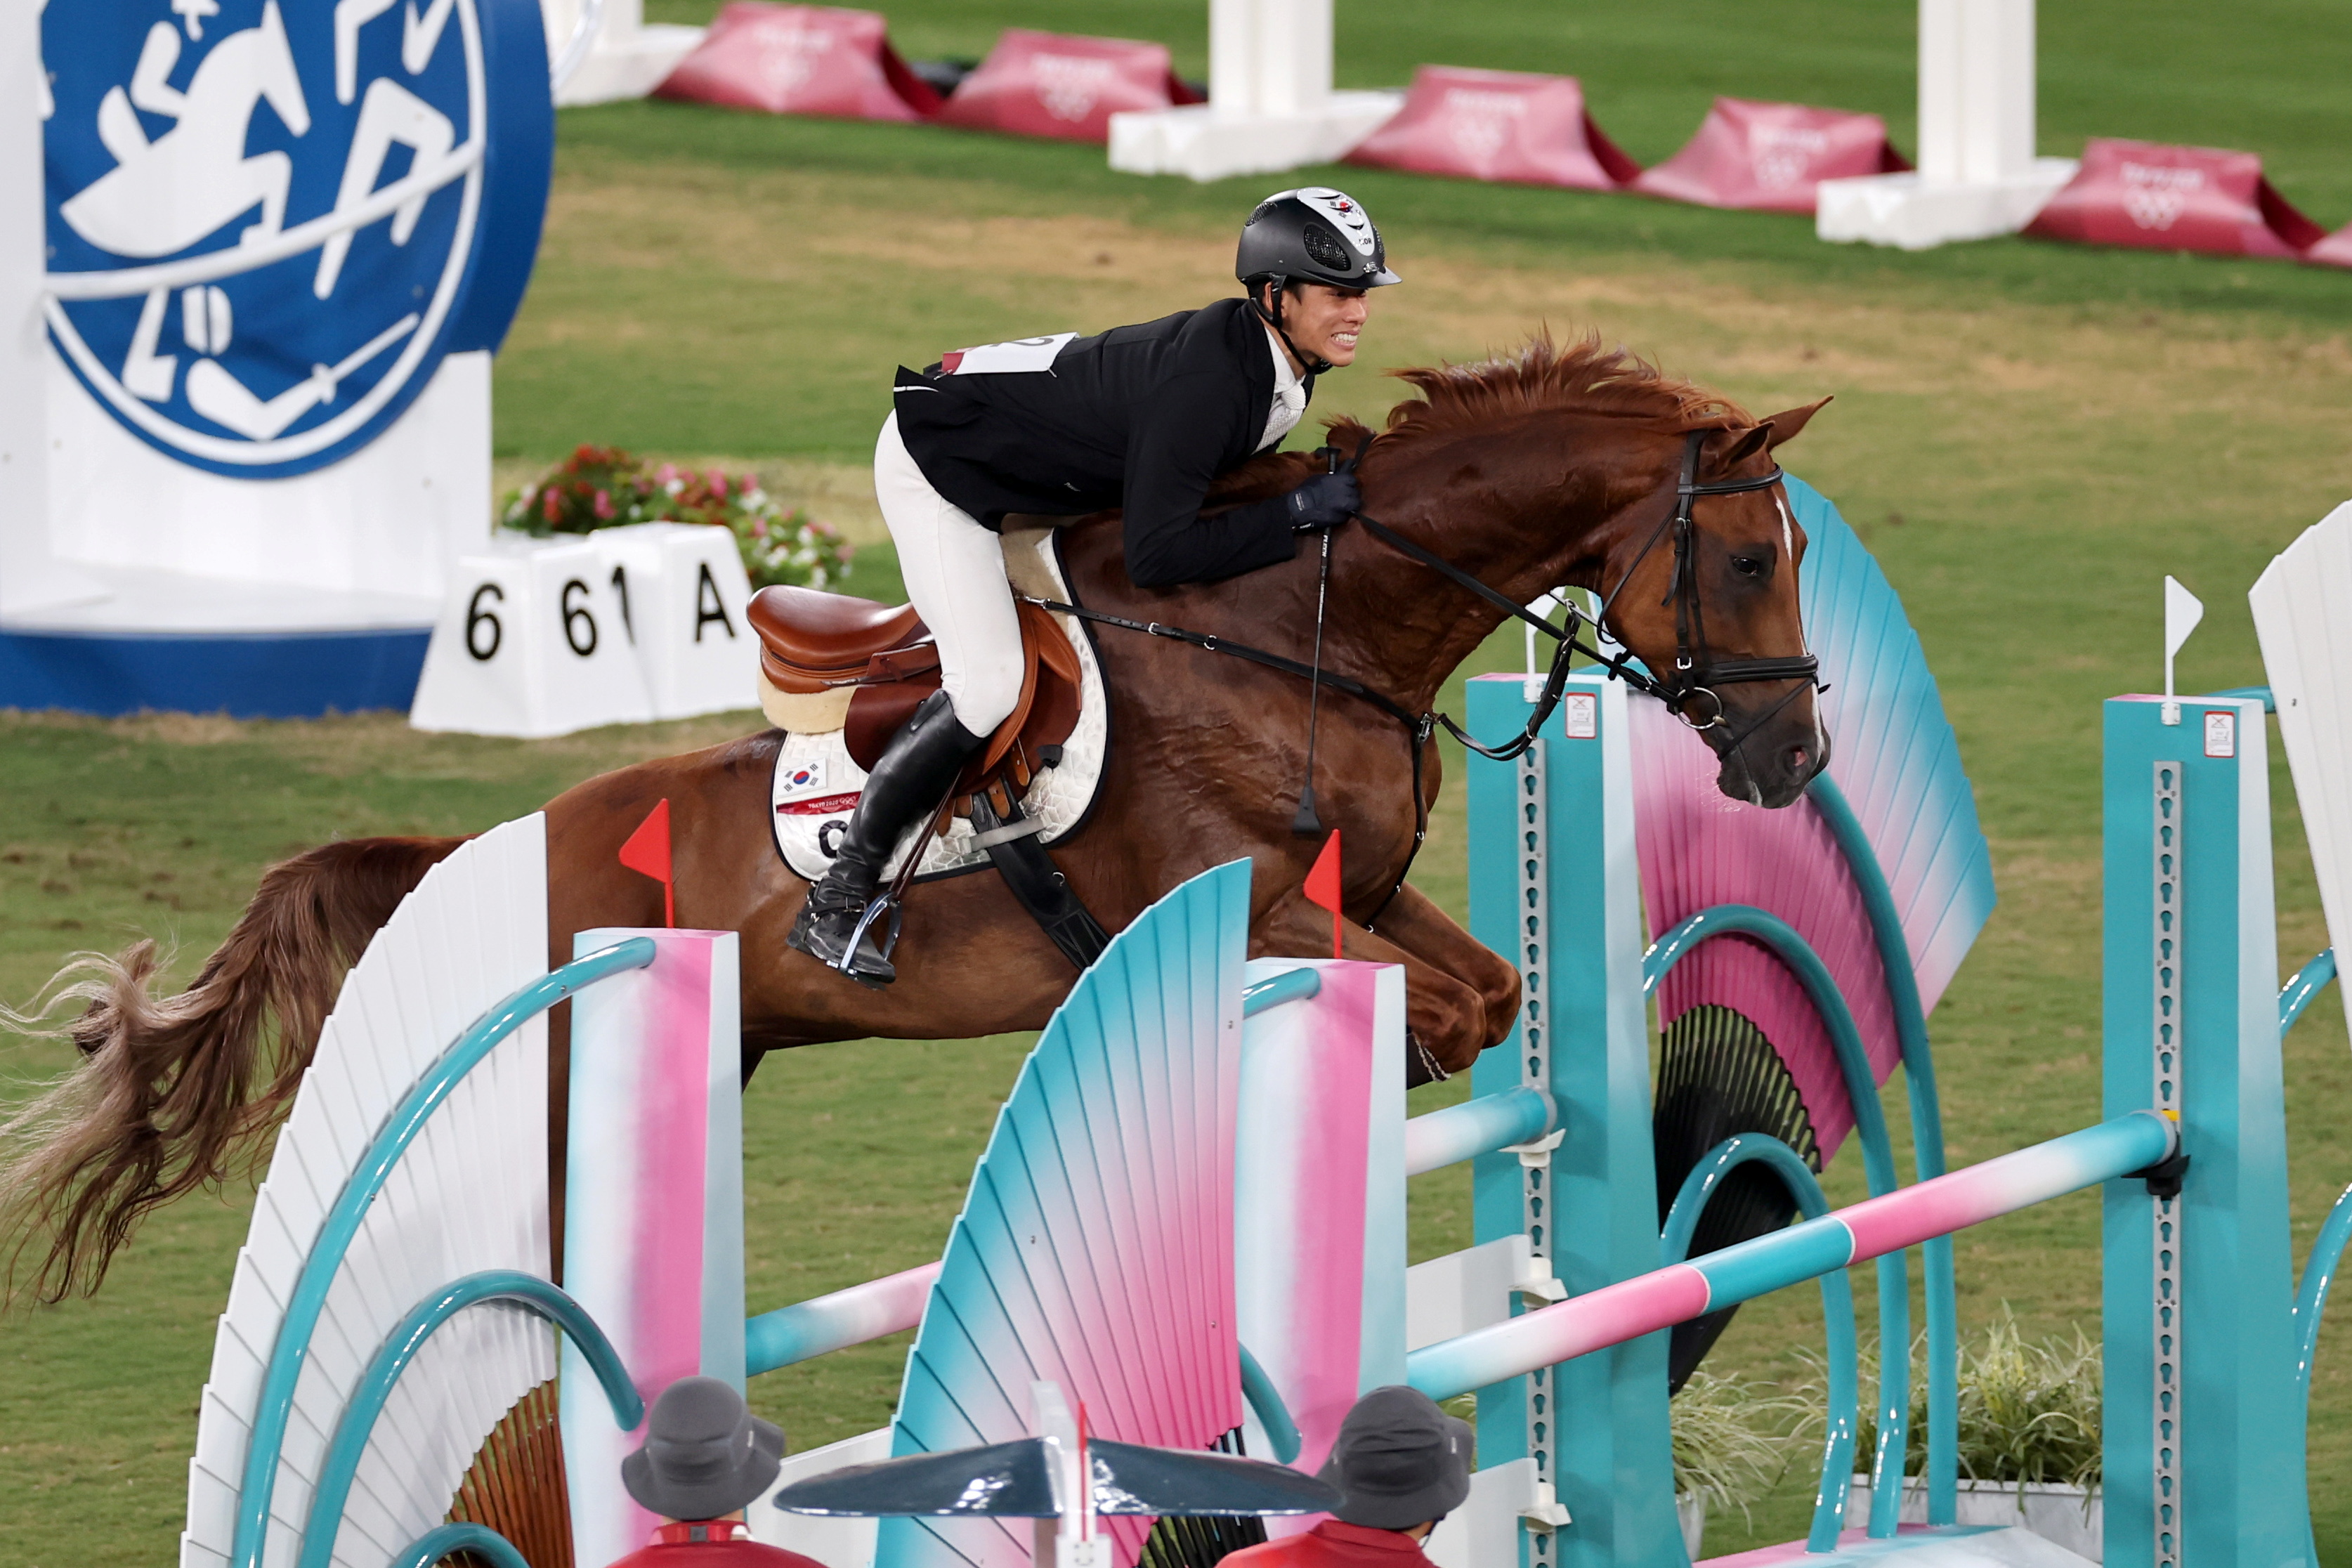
[(1896, 759), (1096, 1246)]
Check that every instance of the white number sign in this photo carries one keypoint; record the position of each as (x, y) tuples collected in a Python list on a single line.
[(533, 640), (628, 623), (684, 592)]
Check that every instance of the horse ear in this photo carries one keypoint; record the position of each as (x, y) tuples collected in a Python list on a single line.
[(1787, 426), (1745, 444)]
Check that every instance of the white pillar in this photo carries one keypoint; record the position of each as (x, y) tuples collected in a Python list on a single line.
[(1977, 176), (1270, 106), (1975, 89), (628, 59)]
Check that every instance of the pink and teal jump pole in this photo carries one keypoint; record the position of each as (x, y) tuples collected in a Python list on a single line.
[(1615, 1314)]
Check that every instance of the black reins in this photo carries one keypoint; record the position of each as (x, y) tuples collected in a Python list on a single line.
[(1695, 674)]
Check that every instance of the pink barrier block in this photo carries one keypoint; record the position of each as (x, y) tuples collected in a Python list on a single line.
[(1063, 86), (2149, 195), (1506, 126), (801, 59), (1771, 156), (2336, 250)]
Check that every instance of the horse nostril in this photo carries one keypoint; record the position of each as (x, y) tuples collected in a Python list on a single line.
[(1797, 756)]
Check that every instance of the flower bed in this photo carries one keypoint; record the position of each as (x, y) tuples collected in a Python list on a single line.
[(604, 486)]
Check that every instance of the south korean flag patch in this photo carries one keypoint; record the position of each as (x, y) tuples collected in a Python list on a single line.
[(801, 780)]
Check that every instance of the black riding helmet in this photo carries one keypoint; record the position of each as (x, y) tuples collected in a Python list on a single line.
[(1313, 235)]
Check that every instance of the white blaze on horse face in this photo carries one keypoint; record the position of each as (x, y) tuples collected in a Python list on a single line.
[(1787, 527)]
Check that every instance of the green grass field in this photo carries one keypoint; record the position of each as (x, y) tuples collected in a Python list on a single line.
[(2027, 434)]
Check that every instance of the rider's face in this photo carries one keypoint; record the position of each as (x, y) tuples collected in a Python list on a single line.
[(1325, 322)]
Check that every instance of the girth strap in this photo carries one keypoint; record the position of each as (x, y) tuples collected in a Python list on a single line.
[(1038, 883)]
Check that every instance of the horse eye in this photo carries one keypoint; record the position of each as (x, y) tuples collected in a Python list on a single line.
[(1748, 566)]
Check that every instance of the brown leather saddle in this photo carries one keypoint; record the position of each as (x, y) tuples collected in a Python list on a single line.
[(830, 661)]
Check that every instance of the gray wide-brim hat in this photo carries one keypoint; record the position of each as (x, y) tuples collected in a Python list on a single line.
[(1398, 1461), (704, 1455)]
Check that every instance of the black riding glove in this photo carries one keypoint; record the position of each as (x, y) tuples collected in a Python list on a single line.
[(1324, 501)]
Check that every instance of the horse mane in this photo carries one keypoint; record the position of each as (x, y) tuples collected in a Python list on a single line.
[(1582, 377), (1579, 377)]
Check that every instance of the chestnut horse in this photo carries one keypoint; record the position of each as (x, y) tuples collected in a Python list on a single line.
[(1558, 466)]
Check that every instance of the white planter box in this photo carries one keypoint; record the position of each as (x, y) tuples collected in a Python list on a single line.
[(2058, 1514)]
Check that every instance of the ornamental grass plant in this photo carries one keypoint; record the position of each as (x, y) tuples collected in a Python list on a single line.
[(1733, 1438), (2029, 1410)]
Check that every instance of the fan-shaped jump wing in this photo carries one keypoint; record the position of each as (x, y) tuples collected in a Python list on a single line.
[(1096, 1247), (469, 1194), (1895, 758)]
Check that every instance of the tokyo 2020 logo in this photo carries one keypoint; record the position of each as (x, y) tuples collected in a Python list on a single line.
[(268, 220)]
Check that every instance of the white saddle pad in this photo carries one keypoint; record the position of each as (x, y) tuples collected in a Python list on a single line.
[(816, 785)]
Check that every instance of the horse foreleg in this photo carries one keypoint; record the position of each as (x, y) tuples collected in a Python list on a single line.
[(1446, 1018), (1414, 923)]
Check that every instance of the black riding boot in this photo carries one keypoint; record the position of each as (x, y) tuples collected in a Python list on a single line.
[(911, 777)]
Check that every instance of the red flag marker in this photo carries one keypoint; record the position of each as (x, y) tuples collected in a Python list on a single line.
[(648, 852), (1322, 888)]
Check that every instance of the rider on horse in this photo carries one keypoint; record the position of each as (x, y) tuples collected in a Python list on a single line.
[(1143, 418)]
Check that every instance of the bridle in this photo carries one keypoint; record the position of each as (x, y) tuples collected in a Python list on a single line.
[(1695, 674)]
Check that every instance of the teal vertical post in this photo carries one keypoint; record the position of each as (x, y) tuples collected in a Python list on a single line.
[(2204, 1439), (1555, 886)]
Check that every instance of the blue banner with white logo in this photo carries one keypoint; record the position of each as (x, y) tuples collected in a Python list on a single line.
[(268, 220)]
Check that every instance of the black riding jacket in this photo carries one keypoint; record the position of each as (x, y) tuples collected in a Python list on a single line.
[(1143, 418)]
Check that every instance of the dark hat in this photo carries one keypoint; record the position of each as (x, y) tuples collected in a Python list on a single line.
[(704, 1455), (1398, 1461)]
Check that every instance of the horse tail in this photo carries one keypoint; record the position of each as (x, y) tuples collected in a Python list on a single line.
[(171, 1092)]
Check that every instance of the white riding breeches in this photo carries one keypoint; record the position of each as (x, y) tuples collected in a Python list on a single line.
[(955, 578)]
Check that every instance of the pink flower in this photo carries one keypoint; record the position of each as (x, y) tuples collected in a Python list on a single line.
[(667, 474), (604, 505), (718, 484), (552, 508)]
